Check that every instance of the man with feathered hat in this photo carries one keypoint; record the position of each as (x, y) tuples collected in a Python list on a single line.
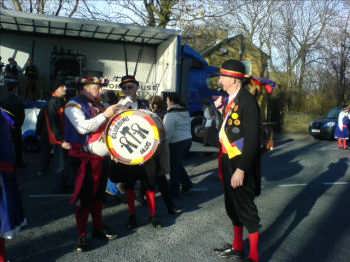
[(84, 115)]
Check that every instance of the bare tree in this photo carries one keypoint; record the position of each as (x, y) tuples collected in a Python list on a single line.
[(69, 7), (171, 13), (337, 52), (299, 33)]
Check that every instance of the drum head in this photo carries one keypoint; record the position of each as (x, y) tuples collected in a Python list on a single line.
[(132, 137)]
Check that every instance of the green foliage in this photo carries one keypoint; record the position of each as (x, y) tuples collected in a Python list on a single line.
[(297, 122)]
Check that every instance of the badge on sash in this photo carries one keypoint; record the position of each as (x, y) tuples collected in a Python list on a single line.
[(235, 130), (234, 116), (237, 122)]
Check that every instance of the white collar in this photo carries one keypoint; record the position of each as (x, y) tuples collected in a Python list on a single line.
[(233, 96)]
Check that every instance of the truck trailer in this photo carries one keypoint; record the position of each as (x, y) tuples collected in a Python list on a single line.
[(71, 47)]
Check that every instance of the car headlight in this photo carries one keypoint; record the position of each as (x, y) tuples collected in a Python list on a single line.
[(329, 124)]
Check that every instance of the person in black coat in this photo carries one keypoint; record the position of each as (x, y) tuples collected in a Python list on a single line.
[(54, 118), (239, 139), (15, 106), (45, 146)]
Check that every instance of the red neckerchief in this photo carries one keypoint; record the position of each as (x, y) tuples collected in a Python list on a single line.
[(229, 107)]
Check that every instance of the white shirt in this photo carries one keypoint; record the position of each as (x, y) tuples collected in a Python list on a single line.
[(127, 102), (77, 118)]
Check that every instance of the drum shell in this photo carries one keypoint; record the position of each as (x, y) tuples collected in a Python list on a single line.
[(96, 143)]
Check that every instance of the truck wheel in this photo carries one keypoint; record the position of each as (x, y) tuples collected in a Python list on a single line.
[(196, 125)]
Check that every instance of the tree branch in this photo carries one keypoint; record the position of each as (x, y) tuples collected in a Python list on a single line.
[(74, 8), (60, 4)]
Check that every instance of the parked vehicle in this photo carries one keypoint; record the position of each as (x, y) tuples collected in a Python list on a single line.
[(324, 128), (70, 47)]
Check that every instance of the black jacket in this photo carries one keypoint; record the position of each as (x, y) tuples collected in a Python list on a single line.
[(55, 109), (244, 122)]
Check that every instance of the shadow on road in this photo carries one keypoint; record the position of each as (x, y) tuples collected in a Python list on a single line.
[(284, 165), (324, 239), (60, 240), (299, 208)]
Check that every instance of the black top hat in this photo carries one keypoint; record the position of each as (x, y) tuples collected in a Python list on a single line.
[(57, 84), (128, 79), (233, 68)]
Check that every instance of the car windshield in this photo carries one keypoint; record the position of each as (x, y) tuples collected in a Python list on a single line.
[(333, 113)]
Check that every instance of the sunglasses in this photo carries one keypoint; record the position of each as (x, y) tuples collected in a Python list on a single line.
[(127, 87)]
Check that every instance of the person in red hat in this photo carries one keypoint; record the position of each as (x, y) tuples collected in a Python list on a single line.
[(239, 139), (84, 115)]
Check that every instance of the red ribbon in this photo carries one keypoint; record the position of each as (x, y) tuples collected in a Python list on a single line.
[(7, 167), (232, 73)]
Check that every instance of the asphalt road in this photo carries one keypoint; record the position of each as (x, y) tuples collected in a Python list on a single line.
[(304, 210)]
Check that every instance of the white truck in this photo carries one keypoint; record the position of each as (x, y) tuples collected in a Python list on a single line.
[(71, 47)]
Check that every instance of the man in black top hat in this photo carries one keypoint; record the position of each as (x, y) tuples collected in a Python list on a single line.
[(149, 173), (239, 139)]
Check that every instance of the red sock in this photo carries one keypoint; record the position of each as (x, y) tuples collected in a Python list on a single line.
[(254, 246), (340, 143), (131, 201), (81, 217), (96, 213), (237, 243), (2, 250), (151, 201)]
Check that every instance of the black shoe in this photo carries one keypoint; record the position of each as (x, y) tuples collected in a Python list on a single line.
[(174, 211), (231, 253), (82, 245), (104, 234), (222, 249), (132, 222), (247, 259), (155, 222), (187, 188)]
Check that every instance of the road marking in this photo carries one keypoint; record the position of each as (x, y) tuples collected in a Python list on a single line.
[(335, 183), (292, 185), (324, 183)]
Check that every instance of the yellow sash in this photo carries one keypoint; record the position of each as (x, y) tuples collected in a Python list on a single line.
[(227, 148)]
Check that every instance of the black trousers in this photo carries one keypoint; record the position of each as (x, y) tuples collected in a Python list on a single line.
[(239, 202), (45, 156), (149, 174), (17, 140)]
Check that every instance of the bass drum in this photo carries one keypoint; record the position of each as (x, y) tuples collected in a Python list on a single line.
[(133, 136)]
